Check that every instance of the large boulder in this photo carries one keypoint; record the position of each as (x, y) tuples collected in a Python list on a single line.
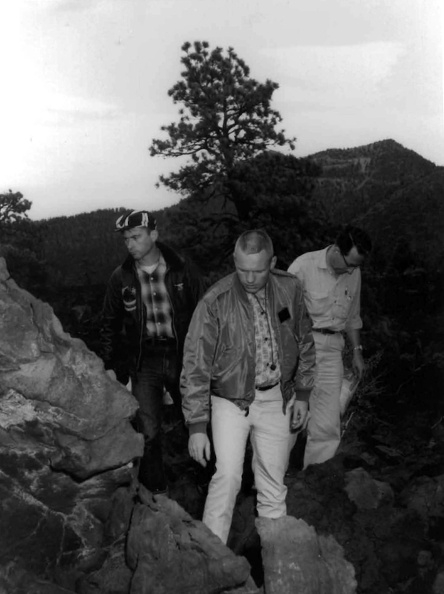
[(171, 552), (296, 559), (66, 441)]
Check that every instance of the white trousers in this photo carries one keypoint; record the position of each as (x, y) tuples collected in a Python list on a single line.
[(324, 425), (269, 431)]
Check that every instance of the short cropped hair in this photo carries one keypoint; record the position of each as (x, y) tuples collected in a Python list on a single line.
[(353, 237), (254, 242)]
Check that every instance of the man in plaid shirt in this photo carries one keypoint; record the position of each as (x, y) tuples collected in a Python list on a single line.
[(148, 305)]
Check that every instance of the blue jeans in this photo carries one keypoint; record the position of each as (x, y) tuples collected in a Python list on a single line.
[(160, 369)]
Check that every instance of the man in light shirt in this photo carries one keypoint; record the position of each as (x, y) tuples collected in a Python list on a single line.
[(331, 279)]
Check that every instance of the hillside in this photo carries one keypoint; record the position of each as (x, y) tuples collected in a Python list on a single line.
[(411, 218), (391, 191), (354, 180)]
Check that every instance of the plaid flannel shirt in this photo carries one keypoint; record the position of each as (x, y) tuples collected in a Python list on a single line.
[(156, 300)]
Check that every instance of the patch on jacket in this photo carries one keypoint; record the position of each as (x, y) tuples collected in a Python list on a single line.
[(129, 298), (284, 314)]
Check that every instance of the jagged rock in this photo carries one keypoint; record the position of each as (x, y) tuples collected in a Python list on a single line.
[(171, 552), (66, 441), (385, 543), (113, 577), (426, 496), (16, 580), (438, 584), (296, 559), (365, 491)]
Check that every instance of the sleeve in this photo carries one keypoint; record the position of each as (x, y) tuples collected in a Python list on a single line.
[(304, 378), (200, 346), (296, 269), (111, 320), (354, 321), (195, 283)]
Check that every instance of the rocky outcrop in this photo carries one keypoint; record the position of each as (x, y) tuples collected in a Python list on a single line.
[(66, 441), (171, 552), (296, 559), (392, 539)]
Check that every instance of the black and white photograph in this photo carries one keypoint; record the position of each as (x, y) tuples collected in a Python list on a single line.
[(222, 297)]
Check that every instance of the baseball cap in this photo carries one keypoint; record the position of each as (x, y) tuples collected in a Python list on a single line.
[(136, 218)]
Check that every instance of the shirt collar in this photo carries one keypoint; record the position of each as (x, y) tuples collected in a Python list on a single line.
[(323, 257)]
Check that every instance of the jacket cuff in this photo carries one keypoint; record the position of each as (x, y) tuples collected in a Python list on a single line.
[(198, 428), (303, 395)]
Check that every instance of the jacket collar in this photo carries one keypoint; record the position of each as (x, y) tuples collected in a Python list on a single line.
[(269, 287)]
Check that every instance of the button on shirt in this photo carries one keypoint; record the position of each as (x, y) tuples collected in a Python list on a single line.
[(156, 300), (332, 301)]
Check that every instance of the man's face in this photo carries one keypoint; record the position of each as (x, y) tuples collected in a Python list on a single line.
[(139, 241), (346, 264), (253, 270)]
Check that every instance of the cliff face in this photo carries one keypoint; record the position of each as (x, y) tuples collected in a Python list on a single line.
[(66, 441)]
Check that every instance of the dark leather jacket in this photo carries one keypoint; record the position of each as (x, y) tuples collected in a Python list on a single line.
[(219, 354), (123, 324)]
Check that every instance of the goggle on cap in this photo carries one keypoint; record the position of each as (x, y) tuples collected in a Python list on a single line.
[(136, 218)]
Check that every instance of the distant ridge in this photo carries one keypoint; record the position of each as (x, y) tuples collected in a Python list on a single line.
[(374, 147), (354, 179), (391, 191)]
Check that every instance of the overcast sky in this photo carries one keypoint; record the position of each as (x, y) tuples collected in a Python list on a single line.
[(84, 85)]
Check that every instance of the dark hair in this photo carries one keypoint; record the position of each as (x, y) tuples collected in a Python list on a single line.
[(254, 241), (353, 236)]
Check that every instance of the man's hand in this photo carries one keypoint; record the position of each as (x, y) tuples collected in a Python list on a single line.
[(358, 363), (299, 416), (199, 448)]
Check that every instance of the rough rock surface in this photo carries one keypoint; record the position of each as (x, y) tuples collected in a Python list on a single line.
[(386, 536), (366, 492), (171, 552), (66, 441), (297, 560)]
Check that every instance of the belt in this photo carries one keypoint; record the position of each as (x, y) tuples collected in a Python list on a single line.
[(264, 388), (325, 331), (164, 341)]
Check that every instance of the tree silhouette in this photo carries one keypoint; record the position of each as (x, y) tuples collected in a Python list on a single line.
[(225, 118), (13, 207)]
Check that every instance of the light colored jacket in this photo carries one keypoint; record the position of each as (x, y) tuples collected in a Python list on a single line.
[(220, 350)]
